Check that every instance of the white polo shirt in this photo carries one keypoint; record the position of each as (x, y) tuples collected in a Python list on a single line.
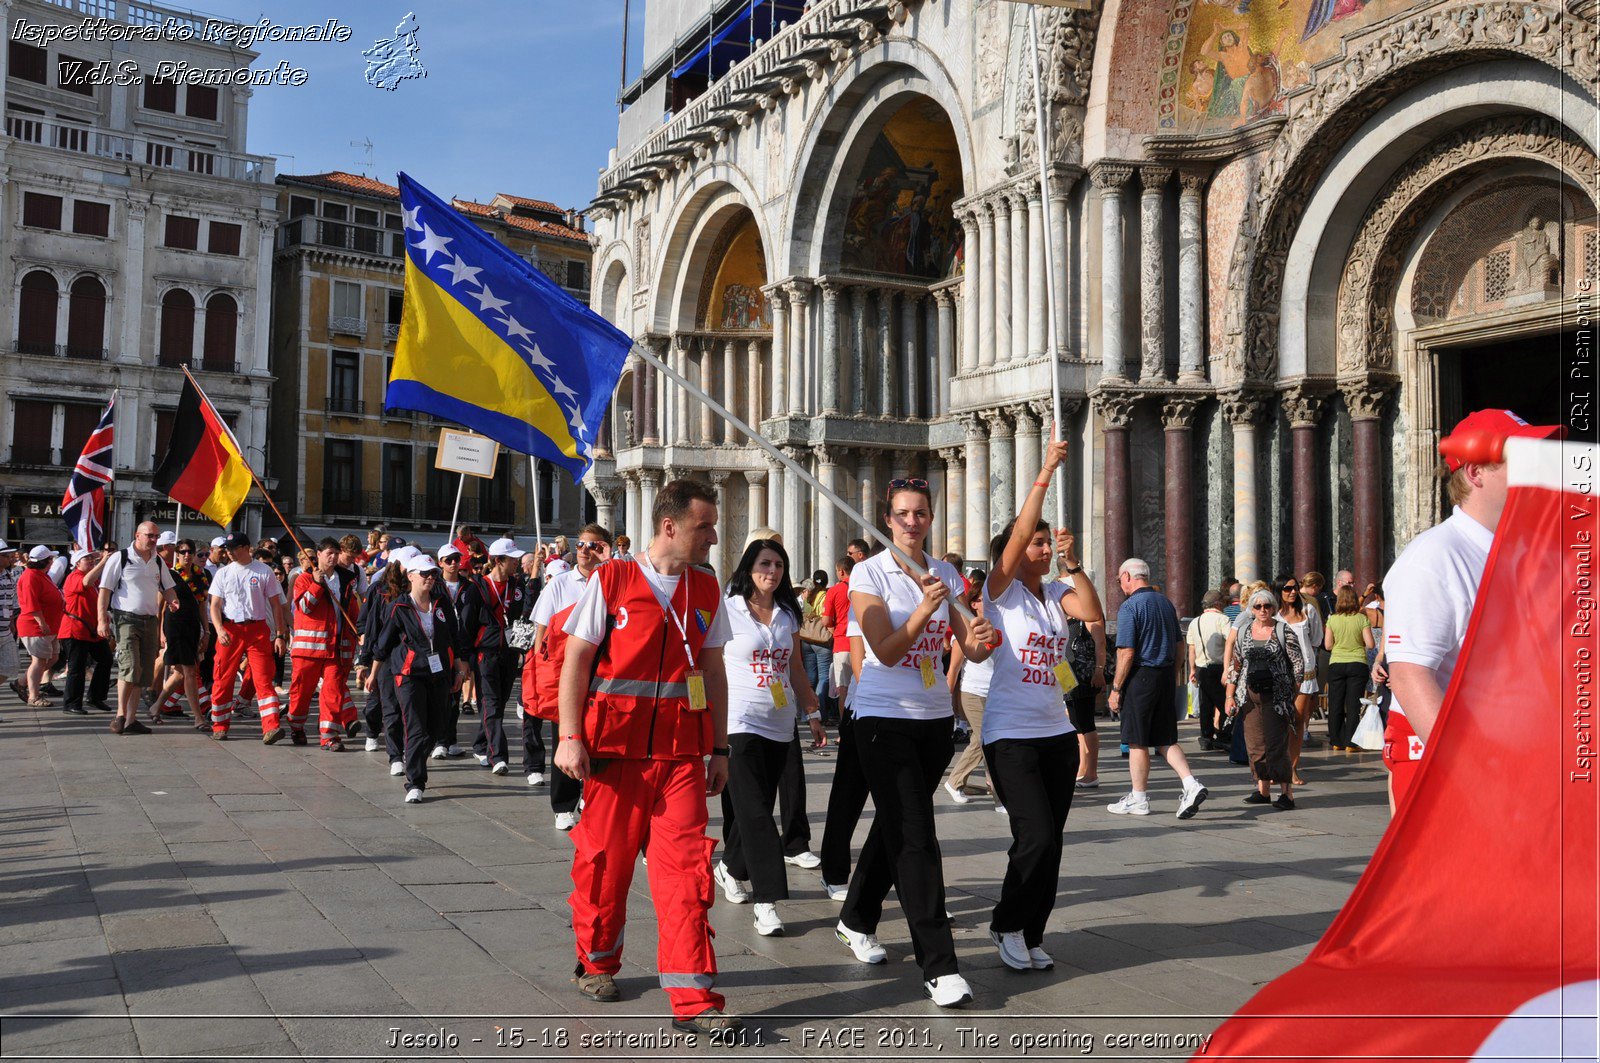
[(1429, 595), (899, 692), (136, 587), (246, 591), (562, 591), (756, 654)]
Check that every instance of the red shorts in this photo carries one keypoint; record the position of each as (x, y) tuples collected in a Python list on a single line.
[(1402, 754)]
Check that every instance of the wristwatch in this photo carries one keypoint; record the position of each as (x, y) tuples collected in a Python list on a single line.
[(1071, 571), (1116, 690), (719, 751), (813, 716)]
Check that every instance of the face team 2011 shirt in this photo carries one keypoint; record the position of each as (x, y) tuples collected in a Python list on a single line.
[(1025, 698), (900, 692), (756, 656), (588, 620)]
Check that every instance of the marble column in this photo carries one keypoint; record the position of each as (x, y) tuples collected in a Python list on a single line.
[(1116, 416), (793, 530), (708, 384), (986, 283), (910, 351), (634, 519), (955, 508), (605, 501), (1304, 410), (651, 414), (827, 516), (1243, 412), (1152, 275), (867, 485), (799, 292), (977, 479), (858, 351), (1037, 311), (944, 298), (649, 482), (1191, 280), (1003, 320), (679, 429), (1002, 470), (1109, 179), (730, 393), (757, 509), (1177, 422), (970, 300), (636, 401), (828, 349), (753, 389), (1060, 241), (1366, 401), (1020, 277), (777, 365), (886, 367), (1030, 456), (775, 475), (723, 555)]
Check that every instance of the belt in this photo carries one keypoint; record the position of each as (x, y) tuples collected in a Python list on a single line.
[(241, 623)]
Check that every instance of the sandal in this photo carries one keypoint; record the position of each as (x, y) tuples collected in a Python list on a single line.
[(41, 703)]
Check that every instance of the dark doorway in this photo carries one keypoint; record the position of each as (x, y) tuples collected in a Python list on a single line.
[(1540, 378)]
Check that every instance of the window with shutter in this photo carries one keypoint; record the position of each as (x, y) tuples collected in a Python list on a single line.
[(223, 238), (397, 490), (182, 232), (221, 338), (164, 419), (41, 211), (201, 102), (86, 319), (36, 318), (177, 328), (30, 432), (90, 218), (341, 475), (161, 95), (76, 428), (28, 63)]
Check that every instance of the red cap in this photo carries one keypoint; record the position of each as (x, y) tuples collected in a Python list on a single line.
[(1481, 435)]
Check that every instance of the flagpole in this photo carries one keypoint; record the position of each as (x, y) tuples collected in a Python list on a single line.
[(793, 466), (1052, 312), (533, 480), (450, 533)]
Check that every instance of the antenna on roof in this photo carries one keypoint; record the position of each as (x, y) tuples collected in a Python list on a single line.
[(366, 145)]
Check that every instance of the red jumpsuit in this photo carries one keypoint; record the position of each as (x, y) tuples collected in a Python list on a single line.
[(252, 639), (320, 651), (1402, 755), (648, 787)]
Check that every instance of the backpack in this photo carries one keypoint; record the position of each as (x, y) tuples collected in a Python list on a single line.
[(127, 559), (1080, 651)]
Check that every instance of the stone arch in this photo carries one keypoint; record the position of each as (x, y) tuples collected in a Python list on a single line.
[(612, 296), (1375, 69), (714, 197), (857, 102)]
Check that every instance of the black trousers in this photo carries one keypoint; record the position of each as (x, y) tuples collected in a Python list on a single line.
[(497, 672), (532, 744), (792, 799), (903, 761), (564, 791), (846, 799), (1346, 684), (1034, 779), (80, 655), (383, 712), (750, 844), (1208, 700), (424, 698)]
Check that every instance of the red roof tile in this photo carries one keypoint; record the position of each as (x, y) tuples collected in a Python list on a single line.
[(344, 182), (536, 204), (544, 228), (341, 181), (467, 206)]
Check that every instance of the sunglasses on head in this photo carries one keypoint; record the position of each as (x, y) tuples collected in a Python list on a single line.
[(912, 483)]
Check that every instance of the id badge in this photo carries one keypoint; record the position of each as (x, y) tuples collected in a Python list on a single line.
[(1065, 679), (780, 696), (434, 664), (928, 678), (697, 691)]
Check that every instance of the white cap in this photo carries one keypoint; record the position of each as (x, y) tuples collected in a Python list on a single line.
[(221, 540), (420, 563), (167, 539), (7, 548), (79, 555), (41, 553), (404, 554), (505, 548), (448, 550)]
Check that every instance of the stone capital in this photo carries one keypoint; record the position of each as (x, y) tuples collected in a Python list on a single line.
[(1110, 176), (1303, 408), (755, 477), (1366, 399), (1193, 182), (1152, 179), (1243, 408), (774, 291), (1027, 422), (1115, 408), (999, 422), (827, 455), (952, 457), (977, 431), (830, 290), (1178, 411), (718, 477), (945, 297), (799, 292)]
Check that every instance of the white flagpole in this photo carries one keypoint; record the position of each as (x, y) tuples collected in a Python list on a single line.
[(789, 463), (1052, 312), (450, 533), (533, 481)]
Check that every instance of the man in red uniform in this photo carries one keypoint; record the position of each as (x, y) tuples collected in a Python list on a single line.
[(638, 717), (243, 595), (321, 647)]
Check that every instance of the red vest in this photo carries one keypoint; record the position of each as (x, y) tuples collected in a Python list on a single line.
[(541, 672), (320, 631), (638, 706)]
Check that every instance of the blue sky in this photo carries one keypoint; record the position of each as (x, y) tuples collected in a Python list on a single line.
[(519, 97)]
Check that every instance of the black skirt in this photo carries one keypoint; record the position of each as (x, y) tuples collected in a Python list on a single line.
[(183, 638)]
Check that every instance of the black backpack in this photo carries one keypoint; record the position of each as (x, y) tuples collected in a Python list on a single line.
[(1080, 651)]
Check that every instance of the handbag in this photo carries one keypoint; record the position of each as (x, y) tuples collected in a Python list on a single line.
[(815, 632), (1369, 732), (519, 636)]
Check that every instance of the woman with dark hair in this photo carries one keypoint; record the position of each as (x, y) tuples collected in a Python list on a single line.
[(1299, 611), (765, 683), (383, 704), (1028, 739), (818, 656), (904, 738)]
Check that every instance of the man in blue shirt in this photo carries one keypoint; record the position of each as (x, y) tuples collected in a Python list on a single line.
[(1145, 690)]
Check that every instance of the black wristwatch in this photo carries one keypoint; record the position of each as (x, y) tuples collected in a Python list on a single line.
[(719, 751), (1074, 571)]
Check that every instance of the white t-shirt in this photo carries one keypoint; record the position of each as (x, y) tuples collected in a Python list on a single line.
[(899, 692), (453, 589), (246, 591), (588, 620), (333, 585), (566, 589), (58, 570), (138, 589), (1429, 594), (1025, 701), (756, 656), (976, 676)]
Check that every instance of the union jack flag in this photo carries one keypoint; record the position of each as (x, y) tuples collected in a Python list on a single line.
[(84, 506)]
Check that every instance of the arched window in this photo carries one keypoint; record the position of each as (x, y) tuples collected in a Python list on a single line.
[(177, 328), (86, 319), (222, 327), (36, 324)]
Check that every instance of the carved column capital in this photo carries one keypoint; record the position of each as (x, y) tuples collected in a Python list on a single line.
[(1031, 193), (774, 291), (1178, 411), (1152, 179), (718, 477), (977, 431), (755, 477), (831, 290), (945, 297), (605, 492), (1115, 408), (799, 292), (826, 454), (952, 456), (1193, 182), (1026, 419), (1110, 176), (999, 422), (1366, 399), (1243, 408), (1303, 408)]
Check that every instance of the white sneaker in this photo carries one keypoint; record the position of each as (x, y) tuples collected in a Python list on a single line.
[(437, 754), (767, 922), (1013, 950), (956, 795), (1130, 805), (566, 820), (1040, 959), (397, 767), (372, 745), (483, 758), (807, 860), (499, 768), (535, 778), (865, 946), (999, 809), (835, 893), (949, 990), (736, 892), (1193, 796), (413, 796), (453, 751)]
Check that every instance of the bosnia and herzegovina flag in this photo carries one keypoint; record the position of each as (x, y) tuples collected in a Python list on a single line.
[(1475, 931), (203, 468), (488, 341)]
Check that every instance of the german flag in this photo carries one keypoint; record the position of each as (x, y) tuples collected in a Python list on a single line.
[(203, 468)]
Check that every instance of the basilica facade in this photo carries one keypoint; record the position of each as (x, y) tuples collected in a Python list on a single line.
[(1289, 244)]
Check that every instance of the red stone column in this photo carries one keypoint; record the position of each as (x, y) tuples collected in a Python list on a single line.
[(1116, 413), (1304, 410), (1366, 402), (1177, 421)]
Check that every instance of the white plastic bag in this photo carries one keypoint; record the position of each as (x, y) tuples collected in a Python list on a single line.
[(1369, 732)]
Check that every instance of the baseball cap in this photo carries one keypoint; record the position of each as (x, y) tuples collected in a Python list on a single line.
[(448, 550), (221, 540), (395, 543), (79, 555), (7, 548), (236, 540), (505, 548), (167, 539), (1491, 425), (404, 554), (420, 563), (41, 553)]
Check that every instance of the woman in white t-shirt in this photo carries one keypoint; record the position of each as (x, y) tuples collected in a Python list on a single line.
[(766, 682), (904, 740), (1028, 739)]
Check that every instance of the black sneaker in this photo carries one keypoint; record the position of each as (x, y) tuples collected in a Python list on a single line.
[(1284, 802), (49, 689), (101, 706), (1256, 797), (354, 730), (297, 737), (75, 710), (274, 735), (134, 727)]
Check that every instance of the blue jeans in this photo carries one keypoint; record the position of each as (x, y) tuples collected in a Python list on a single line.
[(817, 660)]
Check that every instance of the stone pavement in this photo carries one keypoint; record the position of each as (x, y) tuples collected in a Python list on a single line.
[(166, 895)]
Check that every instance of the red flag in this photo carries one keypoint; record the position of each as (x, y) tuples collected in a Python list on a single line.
[(1480, 910)]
